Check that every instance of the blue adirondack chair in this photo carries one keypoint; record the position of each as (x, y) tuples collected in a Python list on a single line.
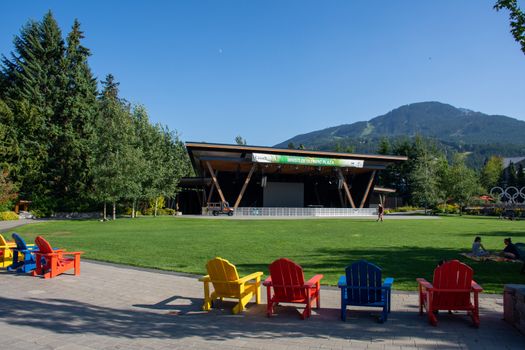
[(362, 286), (28, 263)]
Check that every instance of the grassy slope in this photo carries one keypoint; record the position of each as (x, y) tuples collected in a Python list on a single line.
[(406, 249)]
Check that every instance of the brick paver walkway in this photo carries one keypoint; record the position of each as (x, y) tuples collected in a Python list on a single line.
[(112, 307)]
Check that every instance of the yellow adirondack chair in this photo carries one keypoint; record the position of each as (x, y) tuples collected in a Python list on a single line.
[(6, 253), (227, 284)]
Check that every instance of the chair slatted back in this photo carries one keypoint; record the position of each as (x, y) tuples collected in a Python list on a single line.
[(287, 280), (20, 243), (363, 281), (3, 242), (221, 271), (456, 276), (43, 245)]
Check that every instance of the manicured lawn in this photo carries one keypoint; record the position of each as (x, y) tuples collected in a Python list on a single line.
[(406, 249)]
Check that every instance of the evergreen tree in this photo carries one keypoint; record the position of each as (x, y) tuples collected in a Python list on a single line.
[(491, 172), (384, 146), (520, 176), (34, 88), (116, 145), (512, 178), (425, 180), (71, 153), (9, 150), (461, 183)]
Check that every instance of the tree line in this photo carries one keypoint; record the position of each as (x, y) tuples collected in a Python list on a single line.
[(428, 178), (68, 146)]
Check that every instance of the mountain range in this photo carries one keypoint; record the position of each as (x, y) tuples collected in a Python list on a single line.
[(454, 129)]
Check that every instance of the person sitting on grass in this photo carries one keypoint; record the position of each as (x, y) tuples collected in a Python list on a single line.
[(478, 249), (510, 251)]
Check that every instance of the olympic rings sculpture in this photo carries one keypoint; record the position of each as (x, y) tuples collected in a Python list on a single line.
[(511, 194)]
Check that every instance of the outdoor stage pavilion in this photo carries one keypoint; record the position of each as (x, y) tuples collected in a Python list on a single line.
[(281, 182)]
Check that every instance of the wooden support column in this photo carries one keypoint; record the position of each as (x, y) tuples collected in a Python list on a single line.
[(214, 178), (368, 189), (347, 190), (212, 187), (238, 201)]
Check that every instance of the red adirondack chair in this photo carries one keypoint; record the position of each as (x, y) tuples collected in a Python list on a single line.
[(287, 280), (52, 262), (450, 290)]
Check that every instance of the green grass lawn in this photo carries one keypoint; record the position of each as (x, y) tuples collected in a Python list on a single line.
[(405, 249)]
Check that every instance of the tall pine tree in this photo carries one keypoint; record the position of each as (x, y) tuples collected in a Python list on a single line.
[(34, 81), (71, 155)]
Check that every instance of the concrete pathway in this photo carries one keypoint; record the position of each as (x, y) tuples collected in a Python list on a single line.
[(364, 217), (8, 225), (113, 307)]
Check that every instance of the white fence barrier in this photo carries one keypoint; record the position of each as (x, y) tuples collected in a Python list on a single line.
[(246, 211)]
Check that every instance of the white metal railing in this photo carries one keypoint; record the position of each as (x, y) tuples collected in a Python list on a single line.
[(248, 211)]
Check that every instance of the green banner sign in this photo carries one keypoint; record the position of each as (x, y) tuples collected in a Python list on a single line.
[(308, 161)]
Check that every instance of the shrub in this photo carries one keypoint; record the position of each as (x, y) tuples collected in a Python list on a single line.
[(404, 209), (8, 215), (169, 211), (447, 209), (37, 213)]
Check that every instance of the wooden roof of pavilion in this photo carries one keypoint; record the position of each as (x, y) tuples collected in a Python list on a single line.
[(227, 157)]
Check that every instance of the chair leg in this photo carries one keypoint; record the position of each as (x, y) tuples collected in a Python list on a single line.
[(343, 304), (389, 299), (421, 300), (475, 311), (307, 310), (384, 314), (258, 290), (242, 303), (318, 296), (77, 264), (430, 312), (269, 301), (206, 306)]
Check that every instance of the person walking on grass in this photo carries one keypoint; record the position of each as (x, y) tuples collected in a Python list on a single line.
[(380, 212)]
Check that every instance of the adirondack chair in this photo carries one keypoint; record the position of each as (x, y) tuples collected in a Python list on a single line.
[(6, 252), (450, 290), (362, 286), (287, 280), (53, 262), (23, 256), (227, 284)]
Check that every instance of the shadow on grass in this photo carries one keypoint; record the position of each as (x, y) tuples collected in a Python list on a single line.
[(405, 264)]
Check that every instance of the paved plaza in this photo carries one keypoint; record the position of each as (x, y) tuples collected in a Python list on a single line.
[(115, 307)]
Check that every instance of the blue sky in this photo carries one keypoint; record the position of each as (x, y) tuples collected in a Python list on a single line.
[(269, 70)]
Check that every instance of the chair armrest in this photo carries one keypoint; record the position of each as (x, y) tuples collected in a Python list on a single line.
[(71, 253), (476, 287), (25, 251), (389, 281), (424, 283), (313, 281), (268, 282), (250, 277), (205, 278), (47, 254), (341, 282)]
